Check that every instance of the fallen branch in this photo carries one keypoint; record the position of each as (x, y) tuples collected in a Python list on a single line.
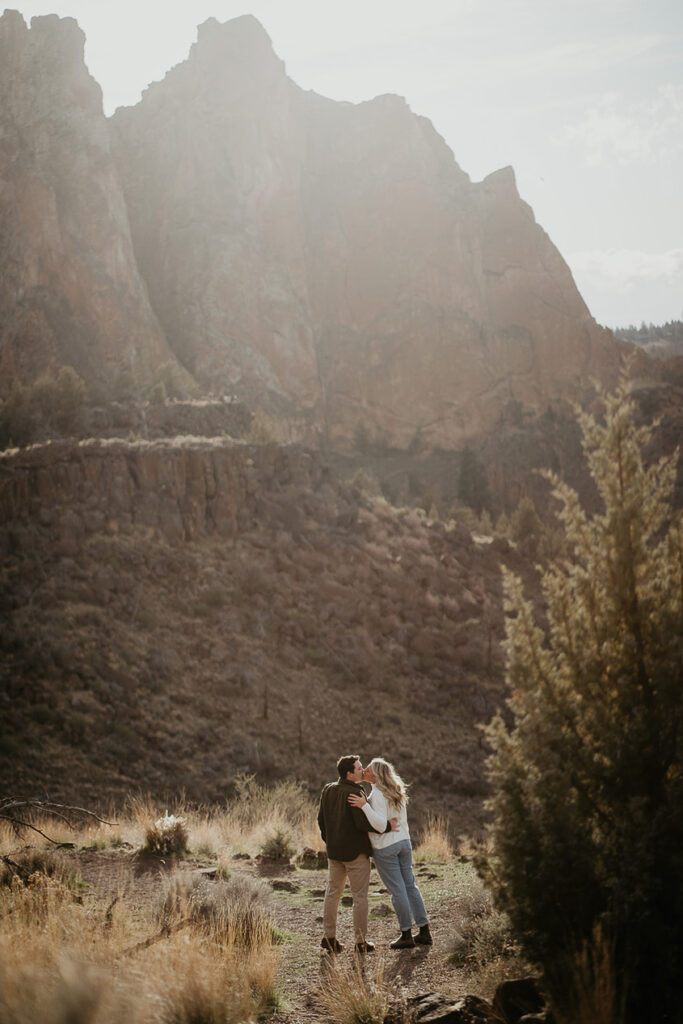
[(166, 931), (16, 869), (13, 811)]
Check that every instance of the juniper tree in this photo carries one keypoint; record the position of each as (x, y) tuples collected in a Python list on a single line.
[(473, 489), (586, 851)]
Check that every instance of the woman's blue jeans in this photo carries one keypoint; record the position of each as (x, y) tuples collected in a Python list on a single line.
[(395, 866)]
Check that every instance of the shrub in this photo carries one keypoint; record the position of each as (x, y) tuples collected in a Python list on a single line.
[(236, 911), (278, 845), (175, 381), (16, 425), (51, 406), (157, 394), (356, 994), (124, 388), (525, 523), (588, 782), (473, 489), (366, 481), (38, 862), (481, 934), (264, 429), (166, 836)]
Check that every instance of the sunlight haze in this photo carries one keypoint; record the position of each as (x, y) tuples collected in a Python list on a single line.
[(583, 99)]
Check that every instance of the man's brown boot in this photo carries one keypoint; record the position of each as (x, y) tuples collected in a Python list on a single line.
[(404, 941), (331, 945)]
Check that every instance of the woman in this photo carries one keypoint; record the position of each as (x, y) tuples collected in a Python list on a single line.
[(392, 851)]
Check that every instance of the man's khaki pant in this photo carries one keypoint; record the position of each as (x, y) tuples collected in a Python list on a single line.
[(358, 873)]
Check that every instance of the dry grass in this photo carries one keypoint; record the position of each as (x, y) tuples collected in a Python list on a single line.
[(75, 956), (258, 817), (99, 836), (481, 941), (260, 812), (162, 833), (57, 831), (65, 962), (588, 982), (361, 993), (203, 953), (435, 844), (48, 863), (232, 912)]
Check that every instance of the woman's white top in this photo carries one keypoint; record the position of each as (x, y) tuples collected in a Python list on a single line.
[(378, 812)]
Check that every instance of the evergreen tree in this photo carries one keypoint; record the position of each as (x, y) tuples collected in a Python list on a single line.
[(586, 851), (473, 489), (524, 522)]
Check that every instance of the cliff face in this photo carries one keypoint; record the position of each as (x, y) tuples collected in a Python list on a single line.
[(328, 259), (70, 290), (211, 163), (177, 613), (335, 254)]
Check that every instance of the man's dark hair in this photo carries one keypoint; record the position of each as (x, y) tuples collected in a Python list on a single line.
[(346, 764)]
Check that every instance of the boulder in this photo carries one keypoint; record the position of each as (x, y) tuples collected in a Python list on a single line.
[(312, 859), (517, 997), (434, 1008)]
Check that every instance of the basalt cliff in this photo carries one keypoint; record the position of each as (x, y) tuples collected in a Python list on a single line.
[(176, 614), (71, 292), (328, 261)]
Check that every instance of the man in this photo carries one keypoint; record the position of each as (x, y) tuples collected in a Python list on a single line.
[(345, 831)]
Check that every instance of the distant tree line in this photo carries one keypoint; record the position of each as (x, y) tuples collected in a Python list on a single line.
[(668, 335)]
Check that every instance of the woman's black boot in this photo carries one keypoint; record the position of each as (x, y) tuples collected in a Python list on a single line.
[(424, 936), (404, 941)]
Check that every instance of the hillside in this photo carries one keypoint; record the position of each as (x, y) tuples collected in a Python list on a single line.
[(180, 612)]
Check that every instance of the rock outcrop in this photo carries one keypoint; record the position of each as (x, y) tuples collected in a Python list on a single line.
[(327, 260), (335, 255), (70, 290)]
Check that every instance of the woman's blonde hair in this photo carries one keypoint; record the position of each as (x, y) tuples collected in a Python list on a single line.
[(389, 782)]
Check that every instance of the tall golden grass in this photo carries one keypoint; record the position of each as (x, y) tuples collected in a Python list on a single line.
[(243, 825), (434, 844), (204, 951), (359, 992), (68, 961)]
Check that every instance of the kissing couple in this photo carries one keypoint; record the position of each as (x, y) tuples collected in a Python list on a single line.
[(355, 827)]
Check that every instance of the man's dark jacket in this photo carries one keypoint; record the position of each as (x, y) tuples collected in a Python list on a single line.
[(343, 827)]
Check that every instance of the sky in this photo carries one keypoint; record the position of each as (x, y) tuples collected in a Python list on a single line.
[(583, 98)]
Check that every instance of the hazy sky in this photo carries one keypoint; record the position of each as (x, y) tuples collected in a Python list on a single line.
[(584, 98)]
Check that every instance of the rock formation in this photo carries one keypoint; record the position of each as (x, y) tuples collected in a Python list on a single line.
[(328, 260), (335, 254), (211, 161), (70, 290)]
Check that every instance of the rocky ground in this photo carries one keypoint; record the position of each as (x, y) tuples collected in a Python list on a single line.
[(297, 896)]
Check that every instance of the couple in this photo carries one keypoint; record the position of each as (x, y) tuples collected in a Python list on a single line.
[(354, 827)]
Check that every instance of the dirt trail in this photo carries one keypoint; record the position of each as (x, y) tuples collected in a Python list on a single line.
[(297, 909)]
